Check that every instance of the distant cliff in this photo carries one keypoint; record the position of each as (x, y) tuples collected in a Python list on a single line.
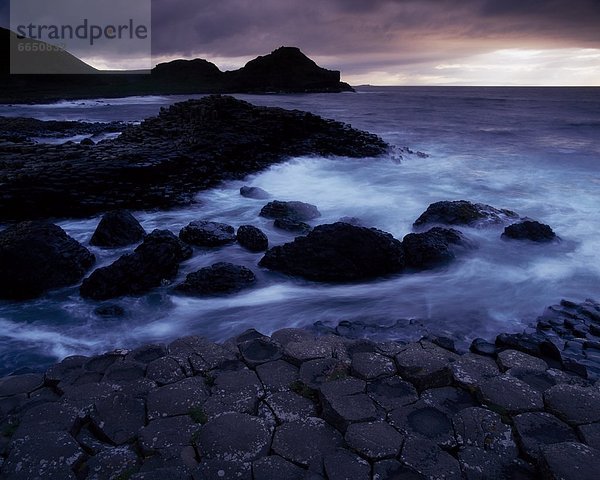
[(285, 70)]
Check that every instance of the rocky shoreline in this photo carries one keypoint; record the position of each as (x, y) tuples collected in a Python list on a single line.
[(323, 403), (296, 406), (167, 159)]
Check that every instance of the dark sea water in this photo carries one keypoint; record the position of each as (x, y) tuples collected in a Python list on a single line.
[(532, 150)]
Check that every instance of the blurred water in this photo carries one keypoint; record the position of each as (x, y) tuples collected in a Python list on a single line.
[(535, 151)]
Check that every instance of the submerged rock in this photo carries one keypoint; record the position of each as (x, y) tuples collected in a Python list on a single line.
[(292, 226), (207, 234), (254, 192), (530, 230), (338, 252), (117, 229), (462, 212), (220, 278), (297, 211), (252, 238), (432, 248), (156, 260), (36, 257)]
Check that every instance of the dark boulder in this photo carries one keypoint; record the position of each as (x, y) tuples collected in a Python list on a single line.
[(252, 238), (207, 234), (297, 211), (292, 226), (117, 229), (156, 260), (220, 278), (461, 212), (432, 248), (338, 252), (36, 257), (529, 230), (254, 192)]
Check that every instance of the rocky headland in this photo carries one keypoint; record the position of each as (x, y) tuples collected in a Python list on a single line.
[(167, 159), (284, 70)]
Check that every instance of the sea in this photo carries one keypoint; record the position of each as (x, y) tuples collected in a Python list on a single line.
[(532, 150)]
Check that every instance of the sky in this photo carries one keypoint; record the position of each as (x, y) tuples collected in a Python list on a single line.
[(388, 42)]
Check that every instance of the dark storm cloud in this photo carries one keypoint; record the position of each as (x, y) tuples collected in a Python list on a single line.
[(362, 35), (337, 27)]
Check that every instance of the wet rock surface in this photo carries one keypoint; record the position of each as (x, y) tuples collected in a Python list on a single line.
[(117, 229), (433, 248), (297, 406), (219, 279), (529, 230), (296, 211), (156, 260), (38, 256), (164, 161), (462, 212), (338, 252), (252, 238)]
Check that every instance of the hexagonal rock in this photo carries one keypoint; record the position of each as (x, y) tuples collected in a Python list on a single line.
[(165, 370), (481, 428), (480, 464), (374, 440), (112, 463), (570, 461), (507, 394), (590, 434), (424, 421), (536, 429), (425, 365), (177, 398), (217, 469), (274, 467), (470, 370), (16, 384), (573, 404), (449, 400), (121, 372), (514, 359), (429, 460), (392, 392), (315, 373), (234, 437), (167, 435), (260, 350), (306, 443), (537, 379), (342, 387), (66, 371), (344, 403), (49, 417), (343, 465), (305, 350), (290, 407), (394, 470), (118, 418), (51, 455), (288, 335), (147, 353), (370, 366), (277, 376), (239, 390), (210, 357)]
